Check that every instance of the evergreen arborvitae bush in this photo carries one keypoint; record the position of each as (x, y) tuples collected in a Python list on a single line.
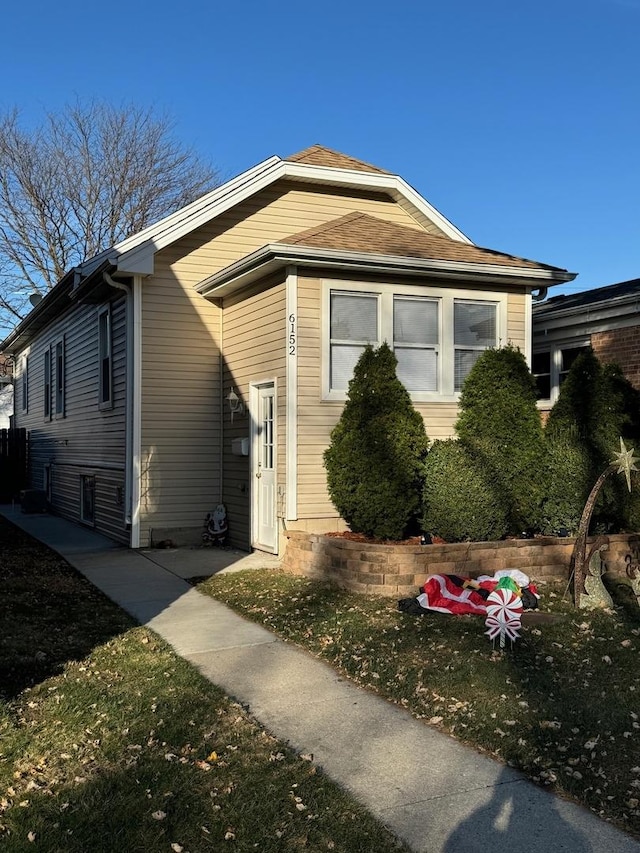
[(500, 422), (461, 502), (568, 484), (595, 408), (375, 461)]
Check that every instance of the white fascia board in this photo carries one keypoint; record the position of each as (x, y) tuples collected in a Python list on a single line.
[(135, 254), (140, 255), (235, 276)]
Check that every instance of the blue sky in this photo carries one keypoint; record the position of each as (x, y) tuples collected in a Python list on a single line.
[(519, 121)]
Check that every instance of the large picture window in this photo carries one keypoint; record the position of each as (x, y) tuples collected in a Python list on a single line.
[(437, 334)]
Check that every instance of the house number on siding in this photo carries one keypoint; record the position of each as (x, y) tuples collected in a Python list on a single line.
[(292, 334)]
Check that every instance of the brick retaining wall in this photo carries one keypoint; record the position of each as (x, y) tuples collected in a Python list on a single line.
[(399, 570)]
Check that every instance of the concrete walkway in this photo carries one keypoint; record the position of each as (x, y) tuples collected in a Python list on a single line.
[(432, 792)]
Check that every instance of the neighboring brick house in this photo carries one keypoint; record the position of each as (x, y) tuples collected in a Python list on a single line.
[(606, 318)]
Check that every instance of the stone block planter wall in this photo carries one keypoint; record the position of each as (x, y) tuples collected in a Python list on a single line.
[(400, 570)]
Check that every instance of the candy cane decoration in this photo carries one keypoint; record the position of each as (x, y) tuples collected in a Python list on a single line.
[(504, 612)]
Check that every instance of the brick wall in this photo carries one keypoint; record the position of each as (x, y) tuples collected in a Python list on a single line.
[(400, 570), (623, 347)]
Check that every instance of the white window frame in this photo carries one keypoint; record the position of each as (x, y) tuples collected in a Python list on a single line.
[(555, 349), (105, 352), (385, 293), (47, 384), (59, 370)]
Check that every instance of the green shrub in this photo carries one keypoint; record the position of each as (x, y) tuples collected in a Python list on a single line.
[(596, 406), (375, 462), (568, 480), (499, 419), (461, 502)]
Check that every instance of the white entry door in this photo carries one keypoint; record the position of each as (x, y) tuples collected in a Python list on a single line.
[(265, 528)]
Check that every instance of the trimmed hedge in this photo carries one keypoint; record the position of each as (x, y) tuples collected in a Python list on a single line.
[(461, 501), (499, 419)]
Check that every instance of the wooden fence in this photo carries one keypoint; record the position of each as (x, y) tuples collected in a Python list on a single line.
[(13, 463)]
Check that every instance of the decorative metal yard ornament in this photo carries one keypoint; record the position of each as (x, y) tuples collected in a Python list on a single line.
[(624, 463), (597, 595), (504, 615)]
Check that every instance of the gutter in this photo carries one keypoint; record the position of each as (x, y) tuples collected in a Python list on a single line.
[(252, 266)]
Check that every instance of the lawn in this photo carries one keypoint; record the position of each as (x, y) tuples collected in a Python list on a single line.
[(110, 742), (563, 704)]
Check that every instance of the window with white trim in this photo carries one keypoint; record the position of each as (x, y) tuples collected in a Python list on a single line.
[(105, 382), (416, 332), (353, 325), (59, 369), (551, 366), (474, 331), (47, 384), (437, 334)]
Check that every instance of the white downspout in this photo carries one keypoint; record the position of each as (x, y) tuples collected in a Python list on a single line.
[(126, 289), (137, 412), (133, 405)]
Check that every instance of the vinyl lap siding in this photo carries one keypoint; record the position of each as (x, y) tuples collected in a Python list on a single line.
[(181, 394), (317, 417), (274, 214), (180, 471), (254, 336), (86, 440)]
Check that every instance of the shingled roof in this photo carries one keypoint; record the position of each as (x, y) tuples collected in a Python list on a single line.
[(609, 295), (360, 232), (318, 155)]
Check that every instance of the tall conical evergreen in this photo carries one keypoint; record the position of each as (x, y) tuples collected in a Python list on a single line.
[(376, 457), (596, 406), (500, 422)]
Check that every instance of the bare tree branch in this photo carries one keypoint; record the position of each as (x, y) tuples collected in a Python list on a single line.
[(82, 181)]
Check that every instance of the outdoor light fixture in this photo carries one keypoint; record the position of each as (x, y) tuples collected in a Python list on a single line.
[(236, 406)]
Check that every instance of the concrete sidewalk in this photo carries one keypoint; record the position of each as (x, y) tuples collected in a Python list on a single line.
[(432, 792)]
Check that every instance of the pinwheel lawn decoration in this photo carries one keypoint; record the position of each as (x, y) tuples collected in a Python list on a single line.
[(504, 613)]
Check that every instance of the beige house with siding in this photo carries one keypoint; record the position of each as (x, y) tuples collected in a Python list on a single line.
[(206, 359)]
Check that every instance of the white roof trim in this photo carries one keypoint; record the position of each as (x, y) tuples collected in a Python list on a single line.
[(274, 255), (136, 253)]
